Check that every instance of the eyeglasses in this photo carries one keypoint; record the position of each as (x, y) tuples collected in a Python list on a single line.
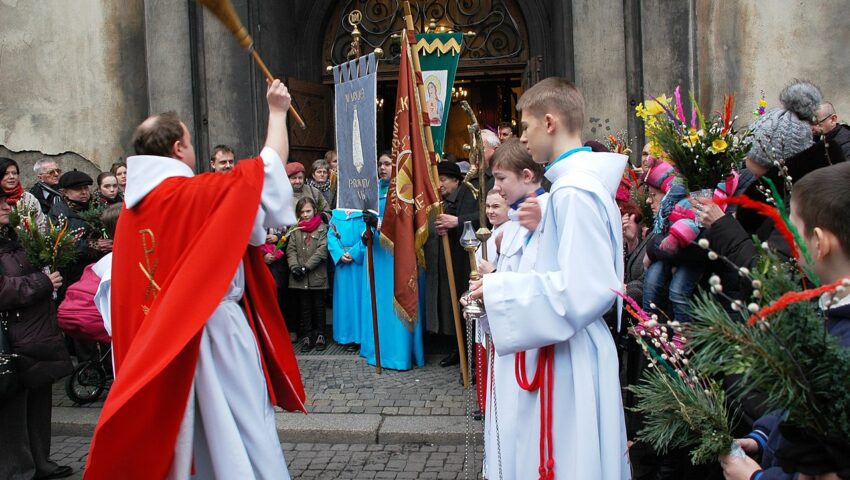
[(825, 119), (55, 171)]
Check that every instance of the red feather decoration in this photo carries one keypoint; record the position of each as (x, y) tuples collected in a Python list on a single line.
[(727, 114)]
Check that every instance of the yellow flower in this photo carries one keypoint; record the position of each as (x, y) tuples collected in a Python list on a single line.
[(655, 150), (692, 139), (718, 146), (762, 103), (653, 107), (641, 112)]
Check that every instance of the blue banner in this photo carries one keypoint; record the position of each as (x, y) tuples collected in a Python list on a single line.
[(355, 117)]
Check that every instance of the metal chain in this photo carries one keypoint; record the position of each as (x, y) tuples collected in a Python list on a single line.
[(469, 455), (491, 356)]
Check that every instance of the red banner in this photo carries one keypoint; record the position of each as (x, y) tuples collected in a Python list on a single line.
[(411, 195)]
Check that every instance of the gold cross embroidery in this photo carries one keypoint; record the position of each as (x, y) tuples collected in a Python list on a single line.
[(149, 245)]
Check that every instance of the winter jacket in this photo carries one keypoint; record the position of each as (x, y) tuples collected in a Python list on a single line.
[(86, 255), (46, 196), (766, 429), (309, 250), (26, 304)]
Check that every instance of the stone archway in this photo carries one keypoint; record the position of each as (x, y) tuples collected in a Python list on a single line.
[(544, 36)]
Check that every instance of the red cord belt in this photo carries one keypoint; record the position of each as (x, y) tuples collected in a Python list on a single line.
[(544, 380)]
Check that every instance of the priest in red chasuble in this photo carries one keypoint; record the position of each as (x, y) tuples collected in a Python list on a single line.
[(201, 351)]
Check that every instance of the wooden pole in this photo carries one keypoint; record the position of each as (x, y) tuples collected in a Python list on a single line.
[(429, 143), (226, 14), (369, 243)]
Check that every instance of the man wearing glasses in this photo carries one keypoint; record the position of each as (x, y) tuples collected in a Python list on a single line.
[(46, 188), (828, 130)]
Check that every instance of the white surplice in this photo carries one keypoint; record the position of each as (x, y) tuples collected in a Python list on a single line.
[(561, 303), (503, 392), (228, 429)]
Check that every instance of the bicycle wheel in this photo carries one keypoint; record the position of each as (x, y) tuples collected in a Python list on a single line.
[(87, 383)]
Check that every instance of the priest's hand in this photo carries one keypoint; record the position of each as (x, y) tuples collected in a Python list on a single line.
[(738, 468), (530, 214), (476, 290), (278, 97), (445, 222), (346, 258)]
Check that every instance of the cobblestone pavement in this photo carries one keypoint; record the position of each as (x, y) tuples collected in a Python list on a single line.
[(346, 384), (333, 461)]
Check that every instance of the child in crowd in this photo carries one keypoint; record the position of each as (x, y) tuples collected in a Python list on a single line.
[(517, 177), (496, 208), (819, 207), (306, 254), (675, 265), (274, 258), (571, 410)]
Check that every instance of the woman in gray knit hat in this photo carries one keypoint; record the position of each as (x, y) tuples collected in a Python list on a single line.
[(784, 132), (779, 135)]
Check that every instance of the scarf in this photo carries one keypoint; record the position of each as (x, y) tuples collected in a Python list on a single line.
[(76, 206), (15, 194), (310, 226), (322, 187)]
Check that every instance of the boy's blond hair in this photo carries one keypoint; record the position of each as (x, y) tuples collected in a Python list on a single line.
[(514, 157), (557, 96)]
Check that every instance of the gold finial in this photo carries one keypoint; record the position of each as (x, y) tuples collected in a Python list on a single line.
[(355, 17)]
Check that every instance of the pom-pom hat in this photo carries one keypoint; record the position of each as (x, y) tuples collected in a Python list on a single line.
[(784, 132)]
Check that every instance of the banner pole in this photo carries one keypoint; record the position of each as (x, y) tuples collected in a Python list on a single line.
[(370, 236), (429, 142)]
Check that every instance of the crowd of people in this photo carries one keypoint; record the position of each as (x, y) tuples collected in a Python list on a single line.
[(564, 236)]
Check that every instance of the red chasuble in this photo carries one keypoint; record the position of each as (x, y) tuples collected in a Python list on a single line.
[(175, 255)]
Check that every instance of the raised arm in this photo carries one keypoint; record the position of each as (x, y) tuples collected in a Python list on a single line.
[(277, 137)]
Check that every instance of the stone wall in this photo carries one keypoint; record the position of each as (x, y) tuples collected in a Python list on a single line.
[(746, 47), (77, 75), (72, 79)]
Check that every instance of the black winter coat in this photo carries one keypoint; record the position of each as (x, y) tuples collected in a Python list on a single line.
[(27, 305)]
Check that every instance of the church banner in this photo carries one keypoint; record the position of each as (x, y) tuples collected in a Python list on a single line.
[(438, 57), (355, 117), (411, 196)]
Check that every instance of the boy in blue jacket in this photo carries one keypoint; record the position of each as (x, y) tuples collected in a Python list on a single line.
[(819, 208)]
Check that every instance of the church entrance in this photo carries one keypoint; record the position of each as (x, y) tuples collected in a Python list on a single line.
[(494, 68)]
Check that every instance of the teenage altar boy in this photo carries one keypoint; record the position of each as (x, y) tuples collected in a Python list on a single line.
[(554, 312)]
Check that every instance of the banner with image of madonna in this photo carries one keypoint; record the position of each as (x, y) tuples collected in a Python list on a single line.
[(439, 54), (355, 114)]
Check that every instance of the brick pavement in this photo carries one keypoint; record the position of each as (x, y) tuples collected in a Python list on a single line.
[(346, 384), (341, 382), (333, 461)]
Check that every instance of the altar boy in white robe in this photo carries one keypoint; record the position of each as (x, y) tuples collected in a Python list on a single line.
[(551, 316), (517, 178)]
